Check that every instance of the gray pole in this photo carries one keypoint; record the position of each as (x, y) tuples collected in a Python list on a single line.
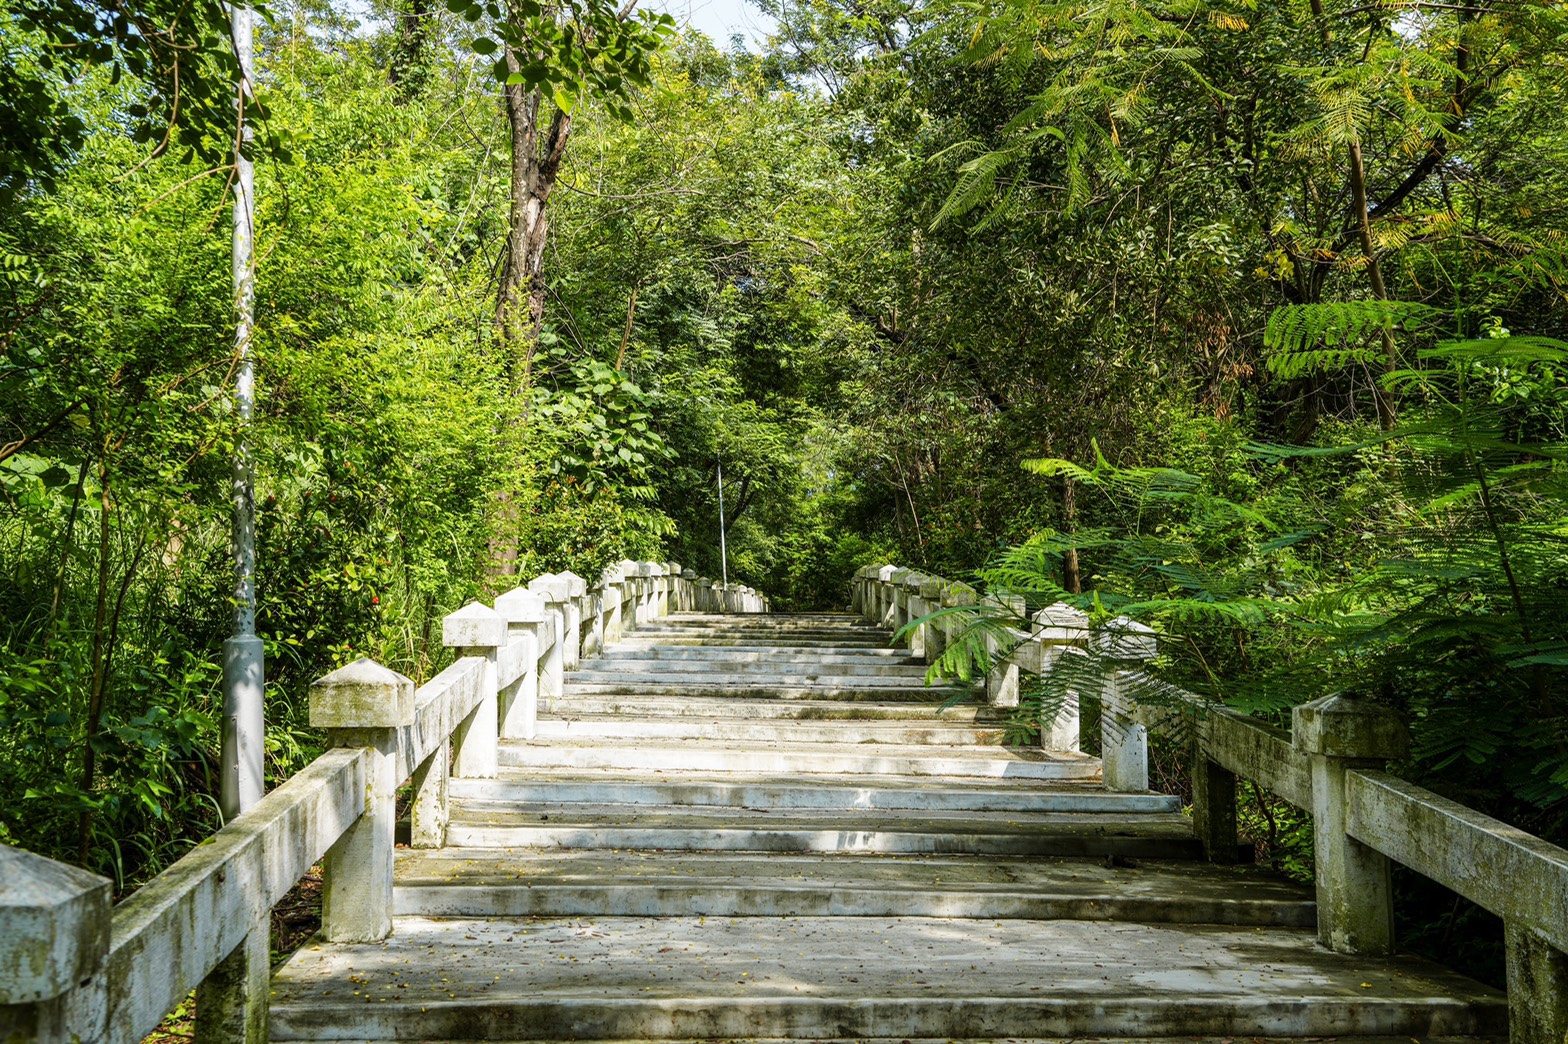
[(243, 678), (724, 551)]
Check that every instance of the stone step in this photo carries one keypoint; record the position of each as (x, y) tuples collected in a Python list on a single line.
[(624, 653), (768, 678), (856, 977), (704, 687), (753, 641), (809, 667), (482, 882), (702, 706), (784, 794), (606, 727), (512, 824), (801, 758)]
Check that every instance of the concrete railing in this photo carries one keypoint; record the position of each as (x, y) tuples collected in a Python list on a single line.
[(75, 968), (1332, 763)]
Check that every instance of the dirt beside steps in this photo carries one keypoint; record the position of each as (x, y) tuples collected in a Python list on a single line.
[(764, 827)]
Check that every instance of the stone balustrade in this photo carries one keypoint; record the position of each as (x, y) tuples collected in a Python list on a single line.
[(1332, 763), (75, 968)]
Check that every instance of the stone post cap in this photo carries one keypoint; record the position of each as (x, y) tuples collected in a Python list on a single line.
[(559, 587), (475, 626), (1342, 726), (912, 579), (362, 695), (521, 606), (610, 576), (1016, 602), (1060, 623), (959, 594), (658, 569), (689, 573), (649, 569), (931, 588), (54, 920), (885, 573), (674, 568), (703, 581), (1124, 638)]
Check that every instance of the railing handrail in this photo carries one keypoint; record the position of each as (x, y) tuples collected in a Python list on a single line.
[(72, 967), (1331, 763)]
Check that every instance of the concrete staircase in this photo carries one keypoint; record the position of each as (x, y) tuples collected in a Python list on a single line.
[(767, 827)]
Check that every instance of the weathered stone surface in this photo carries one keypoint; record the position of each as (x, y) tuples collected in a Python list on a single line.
[(557, 587), (839, 978), (1537, 988), (521, 606), (1060, 623), (1124, 638), (1342, 726), (176, 928), (54, 926), (475, 626), (360, 695), (1515, 875)]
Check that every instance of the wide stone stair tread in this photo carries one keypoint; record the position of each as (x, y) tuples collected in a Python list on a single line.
[(812, 669), (652, 650), (858, 977), (701, 705), (907, 733), (845, 791), (762, 689), (484, 882), (787, 679), (781, 756), (1148, 835)]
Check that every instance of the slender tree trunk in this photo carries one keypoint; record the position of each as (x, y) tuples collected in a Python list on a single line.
[(535, 166), (95, 692), (1358, 197), (410, 69), (1072, 582)]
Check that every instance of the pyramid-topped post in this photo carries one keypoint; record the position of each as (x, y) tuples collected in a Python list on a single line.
[(1122, 646), (530, 626), (477, 631), (1060, 627), (363, 705), (563, 593), (1355, 895), (54, 936)]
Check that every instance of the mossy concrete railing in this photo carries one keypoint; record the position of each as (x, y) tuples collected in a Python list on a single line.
[(74, 967), (1332, 763)]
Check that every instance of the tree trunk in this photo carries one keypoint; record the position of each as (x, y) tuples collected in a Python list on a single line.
[(1072, 581), (410, 69), (95, 692), (519, 309), (1358, 195)]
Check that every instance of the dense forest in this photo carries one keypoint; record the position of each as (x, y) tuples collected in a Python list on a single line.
[(1238, 317)]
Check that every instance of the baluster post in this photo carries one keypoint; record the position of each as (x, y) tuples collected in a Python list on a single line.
[(527, 619), (54, 937), (1537, 987), (1122, 646), (477, 630), (1061, 628), (1355, 897), (363, 705)]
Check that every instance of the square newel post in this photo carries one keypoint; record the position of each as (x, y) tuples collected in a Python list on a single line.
[(563, 593), (705, 596), (689, 590), (1537, 987), (54, 936), (886, 610), (1355, 899), (477, 630), (363, 705), (527, 622), (1121, 646), (933, 639), (1061, 627), (610, 582), (1214, 808)]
